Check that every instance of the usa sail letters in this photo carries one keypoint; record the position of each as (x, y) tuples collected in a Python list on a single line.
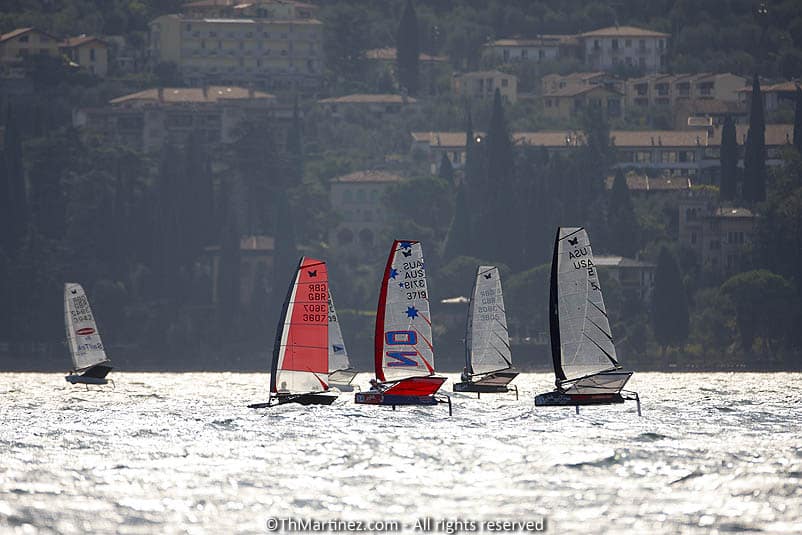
[(579, 260)]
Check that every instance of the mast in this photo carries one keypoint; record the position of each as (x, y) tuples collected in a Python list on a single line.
[(280, 329), (554, 315), (378, 335), (469, 326)]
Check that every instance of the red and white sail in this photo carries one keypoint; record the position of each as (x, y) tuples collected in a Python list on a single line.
[(403, 338), (301, 354)]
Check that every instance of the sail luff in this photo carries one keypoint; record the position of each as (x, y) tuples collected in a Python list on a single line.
[(554, 314), (378, 335), (279, 343), (469, 326)]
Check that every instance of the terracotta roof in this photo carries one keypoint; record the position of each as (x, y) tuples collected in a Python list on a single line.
[(22, 31), (620, 261), (389, 54), (484, 74), (549, 138), (179, 95), (644, 183), (776, 134), (578, 76), (360, 98), (533, 41), (442, 139), (623, 31), (574, 90), (369, 177), (782, 87), (657, 138), (733, 212), (72, 42)]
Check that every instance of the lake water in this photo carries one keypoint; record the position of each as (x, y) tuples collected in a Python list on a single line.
[(182, 452)]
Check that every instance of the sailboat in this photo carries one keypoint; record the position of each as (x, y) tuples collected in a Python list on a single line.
[(585, 364), (90, 363), (340, 372), (300, 368), (488, 358), (404, 353)]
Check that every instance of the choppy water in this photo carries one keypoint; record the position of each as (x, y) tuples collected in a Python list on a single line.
[(181, 452)]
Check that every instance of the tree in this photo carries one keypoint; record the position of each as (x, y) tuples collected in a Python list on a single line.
[(669, 303), (294, 148), (798, 120), (446, 171), (228, 275), (346, 41), (624, 228), (457, 241), (729, 160), (755, 159), (408, 50), (762, 300), (14, 214), (285, 256)]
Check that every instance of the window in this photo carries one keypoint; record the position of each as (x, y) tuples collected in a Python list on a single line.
[(524, 53), (188, 27), (506, 54), (628, 43), (541, 54), (693, 238), (642, 63), (504, 82), (203, 43), (642, 44), (24, 39), (596, 45), (615, 44), (91, 54), (348, 196)]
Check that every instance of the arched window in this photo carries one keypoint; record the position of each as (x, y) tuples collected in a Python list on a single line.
[(366, 237), (345, 236)]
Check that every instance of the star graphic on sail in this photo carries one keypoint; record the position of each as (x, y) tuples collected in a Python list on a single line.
[(406, 245), (412, 312), (400, 284), (393, 273)]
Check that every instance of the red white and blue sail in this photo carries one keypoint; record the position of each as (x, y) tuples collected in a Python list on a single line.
[(83, 336), (300, 354), (403, 338)]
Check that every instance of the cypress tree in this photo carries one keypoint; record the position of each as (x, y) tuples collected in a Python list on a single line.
[(669, 303), (499, 195), (228, 273), (729, 160), (285, 252), (408, 50), (798, 120), (755, 160), (446, 171), (458, 238), (624, 228), (14, 214), (294, 148)]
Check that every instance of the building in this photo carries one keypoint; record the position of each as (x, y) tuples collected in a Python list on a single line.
[(256, 267), (278, 54), (357, 199), (570, 101), (25, 42), (538, 49), (90, 53), (642, 184), (719, 235), (607, 48), (263, 9), (376, 105), (635, 278), (483, 84), (686, 154), (554, 82), (148, 119), (669, 90), (382, 62), (774, 95)]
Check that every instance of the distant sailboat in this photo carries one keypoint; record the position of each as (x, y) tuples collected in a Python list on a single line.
[(585, 364), (90, 363), (340, 372), (404, 354), (488, 357), (300, 368)]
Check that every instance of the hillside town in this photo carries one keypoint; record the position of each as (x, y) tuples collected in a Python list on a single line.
[(180, 167)]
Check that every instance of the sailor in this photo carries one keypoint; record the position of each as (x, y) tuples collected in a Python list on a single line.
[(375, 385), (466, 375)]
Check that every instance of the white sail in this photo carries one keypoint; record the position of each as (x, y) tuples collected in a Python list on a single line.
[(338, 354), (403, 324), (586, 342), (486, 339), (82, 332)]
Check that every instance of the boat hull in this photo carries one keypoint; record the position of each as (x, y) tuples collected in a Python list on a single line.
[(494, 383), (84, 380), (561, 399), (312, 398)]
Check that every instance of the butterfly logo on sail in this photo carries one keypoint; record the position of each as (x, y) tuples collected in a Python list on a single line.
[(574, 241), (312, 273), (407, 253), (488, 275)]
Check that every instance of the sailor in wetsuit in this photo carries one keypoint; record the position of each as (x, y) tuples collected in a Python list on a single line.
[(466, 375), (375, 386)]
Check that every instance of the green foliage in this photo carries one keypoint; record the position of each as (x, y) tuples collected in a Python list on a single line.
[(762, 300), (754, 189), (624, 230), (728, 160), (669, 303), (798, 121), (408, 50), (13, 196)]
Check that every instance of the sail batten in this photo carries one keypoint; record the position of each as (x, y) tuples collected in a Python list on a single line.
[(487, 341), (403, 338), (582, 342), (300, 354), (83, 336)]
